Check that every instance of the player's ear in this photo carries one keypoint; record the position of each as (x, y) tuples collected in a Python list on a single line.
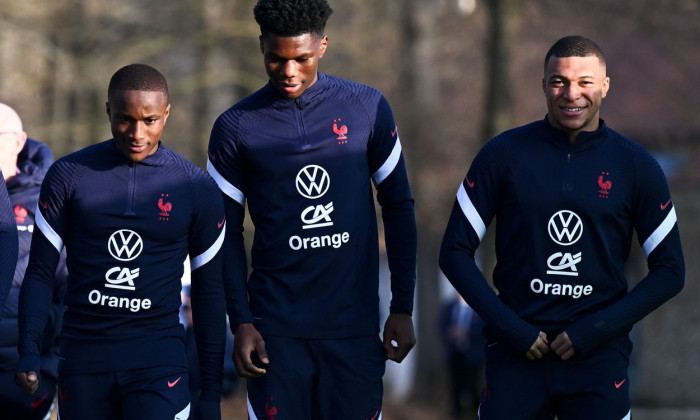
[(323, 46)]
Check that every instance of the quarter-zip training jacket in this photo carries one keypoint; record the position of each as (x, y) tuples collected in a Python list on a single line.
[(306, 167), (566, 214), (127, 227)]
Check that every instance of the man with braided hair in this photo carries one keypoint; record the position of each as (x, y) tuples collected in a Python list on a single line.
[(568, 193), (303, 151), (128, 211)]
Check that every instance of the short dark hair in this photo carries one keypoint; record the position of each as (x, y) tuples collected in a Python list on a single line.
[(139, 77), (292, 17), (574, 46)]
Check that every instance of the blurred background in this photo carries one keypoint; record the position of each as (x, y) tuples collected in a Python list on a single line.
[(456, 72)]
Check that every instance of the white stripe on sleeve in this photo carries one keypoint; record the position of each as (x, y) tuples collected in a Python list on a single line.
[(470, 212), (47, 230), (389, 164), (207, 255), (224, 185), (660, 233)]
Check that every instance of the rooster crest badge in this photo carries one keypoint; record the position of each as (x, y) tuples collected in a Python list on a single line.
[(340, 131), (605, 185), (165, 207)]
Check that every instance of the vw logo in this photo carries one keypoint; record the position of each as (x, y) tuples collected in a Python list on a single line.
[(313, 181), (565, 227), (125, 245)]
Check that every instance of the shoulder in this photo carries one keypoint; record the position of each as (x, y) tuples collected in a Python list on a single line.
[(630, 148), (93, 155), (513, 140), (246, 113), (195, 175), (337, 86)]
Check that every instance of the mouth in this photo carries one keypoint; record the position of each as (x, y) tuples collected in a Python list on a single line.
[(137, 148), (572, 110), (289, 88)]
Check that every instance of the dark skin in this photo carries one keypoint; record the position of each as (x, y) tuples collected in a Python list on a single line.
[(292, 65), (137, 119), (574, 88)]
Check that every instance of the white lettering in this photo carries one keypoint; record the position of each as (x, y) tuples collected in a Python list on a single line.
[(557, 289), (336, 241), (134, 305)]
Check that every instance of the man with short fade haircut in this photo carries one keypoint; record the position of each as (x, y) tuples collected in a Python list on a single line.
[(568, 194), (303, 151), (128, 211)]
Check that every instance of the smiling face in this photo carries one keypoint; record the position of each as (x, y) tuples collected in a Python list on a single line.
[(574, 88), (292, 62), (137, 120)]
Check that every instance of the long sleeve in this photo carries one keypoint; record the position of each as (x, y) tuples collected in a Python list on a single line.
[(400, 235), (8, 244), (208, 303), (235, 263), (657, 230), (40, 278), (459, 266), (394, 196)]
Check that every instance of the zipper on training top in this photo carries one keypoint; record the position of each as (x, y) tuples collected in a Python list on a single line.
[(568, 186), (131, 197), (302, 131)]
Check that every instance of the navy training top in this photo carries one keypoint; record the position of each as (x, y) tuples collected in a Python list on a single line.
[(306, 168), (565, 217), (127, 227)]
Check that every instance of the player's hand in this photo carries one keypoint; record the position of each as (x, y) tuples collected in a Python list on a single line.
[(562, 346), (248, 340), (28, 381), (398, 329), (539, 348)]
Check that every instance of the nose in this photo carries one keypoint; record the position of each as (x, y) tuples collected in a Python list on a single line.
[(138, 130), (572, 91), (288, 69)]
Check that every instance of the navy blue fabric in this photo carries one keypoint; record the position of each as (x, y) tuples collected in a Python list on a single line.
[(127, 228), (305, 168), (592, 386), (8, 244), (319, 379), (23, 188), (15, 403), (566, 217), (145, 394)]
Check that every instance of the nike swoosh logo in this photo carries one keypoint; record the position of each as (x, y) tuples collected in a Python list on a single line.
[(394, 131), (618, 385), (663, 206), (172, 384), (45, 205), (221, 223), (470, 183), (36, 404)]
